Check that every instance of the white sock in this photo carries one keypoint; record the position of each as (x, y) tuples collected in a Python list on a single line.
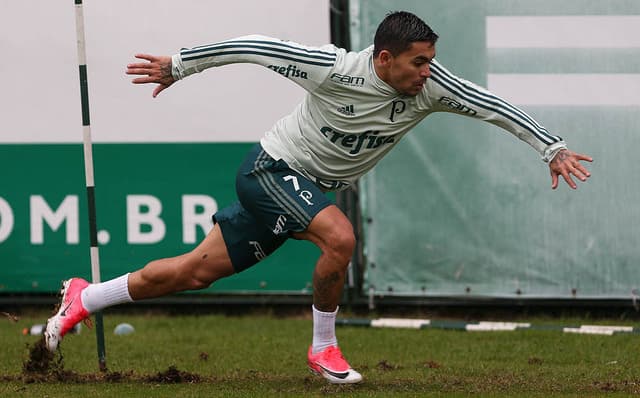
[(101, 295), (324, 329)]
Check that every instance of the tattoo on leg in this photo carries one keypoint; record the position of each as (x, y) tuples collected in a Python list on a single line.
[(326, 291)]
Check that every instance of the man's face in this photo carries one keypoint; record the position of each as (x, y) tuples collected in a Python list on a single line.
[(408, 71)]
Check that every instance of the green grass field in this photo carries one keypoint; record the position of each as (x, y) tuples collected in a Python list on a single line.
[(264, 355)]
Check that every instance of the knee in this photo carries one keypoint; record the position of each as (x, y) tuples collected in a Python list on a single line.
[(340, 245), (189, 273), (197, 283)]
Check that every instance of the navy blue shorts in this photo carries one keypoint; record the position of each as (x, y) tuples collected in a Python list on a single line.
[(273, 202)]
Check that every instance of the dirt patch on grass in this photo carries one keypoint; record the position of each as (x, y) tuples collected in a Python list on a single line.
[(535, 361), (42, 366), (172, 376), (632, 386), (41, 360), (432, 364), (386, 366)]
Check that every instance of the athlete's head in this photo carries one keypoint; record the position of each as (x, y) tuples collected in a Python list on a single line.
[(398, 30), (403, 48)]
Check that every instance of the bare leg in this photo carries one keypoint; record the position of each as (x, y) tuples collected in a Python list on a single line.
[(194, 270), (198, 269), (332, 232)]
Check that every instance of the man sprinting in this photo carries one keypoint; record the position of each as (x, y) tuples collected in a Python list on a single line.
[(357, 107)]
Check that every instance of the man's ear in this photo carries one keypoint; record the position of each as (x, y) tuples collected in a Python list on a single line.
[(384, 57)]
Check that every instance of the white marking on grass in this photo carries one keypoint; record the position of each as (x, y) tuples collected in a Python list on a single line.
[(399, 323), (487, 326)]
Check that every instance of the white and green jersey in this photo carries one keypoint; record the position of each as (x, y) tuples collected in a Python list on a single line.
[(350, 118)]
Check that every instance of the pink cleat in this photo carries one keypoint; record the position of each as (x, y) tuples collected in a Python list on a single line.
[(330, 364), (69, 314)]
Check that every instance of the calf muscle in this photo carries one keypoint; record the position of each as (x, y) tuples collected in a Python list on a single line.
[(327, 289)]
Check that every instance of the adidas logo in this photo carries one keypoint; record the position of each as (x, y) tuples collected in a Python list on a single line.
[(346, 110)]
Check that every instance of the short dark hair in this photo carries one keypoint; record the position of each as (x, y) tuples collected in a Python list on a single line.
[(398, 30)]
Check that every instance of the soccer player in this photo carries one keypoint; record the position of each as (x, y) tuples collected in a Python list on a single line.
[(357, 107)]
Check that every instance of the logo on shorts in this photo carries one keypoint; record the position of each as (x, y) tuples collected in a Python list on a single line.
[(306, 196), (279, 225), (259, 253)]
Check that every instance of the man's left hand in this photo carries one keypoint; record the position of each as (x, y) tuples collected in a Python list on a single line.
[(566, 163)]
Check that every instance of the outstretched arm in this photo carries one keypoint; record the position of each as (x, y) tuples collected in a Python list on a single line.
[(157, 70), (305, 65), (453, 94), (566, 163)]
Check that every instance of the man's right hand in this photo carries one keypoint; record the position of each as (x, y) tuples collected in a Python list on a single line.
[(156, 70)]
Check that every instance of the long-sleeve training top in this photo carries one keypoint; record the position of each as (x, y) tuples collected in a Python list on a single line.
[(349, 118)]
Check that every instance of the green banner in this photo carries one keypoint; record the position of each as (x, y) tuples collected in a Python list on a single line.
[(153, 201)]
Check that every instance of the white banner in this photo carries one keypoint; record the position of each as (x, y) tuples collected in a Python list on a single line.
[(40, 96)]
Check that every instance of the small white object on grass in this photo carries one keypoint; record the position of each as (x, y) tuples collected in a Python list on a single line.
[(123, 329)]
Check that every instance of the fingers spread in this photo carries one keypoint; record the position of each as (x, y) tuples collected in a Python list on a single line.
[(148, 57), (578, 173), (566, 164), (567, 178), (580, 156), (554, 180), (142, 80), (583, 170), (133, 70), (158, 89)]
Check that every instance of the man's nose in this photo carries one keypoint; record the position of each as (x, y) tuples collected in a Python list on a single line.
[(426, 71)]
